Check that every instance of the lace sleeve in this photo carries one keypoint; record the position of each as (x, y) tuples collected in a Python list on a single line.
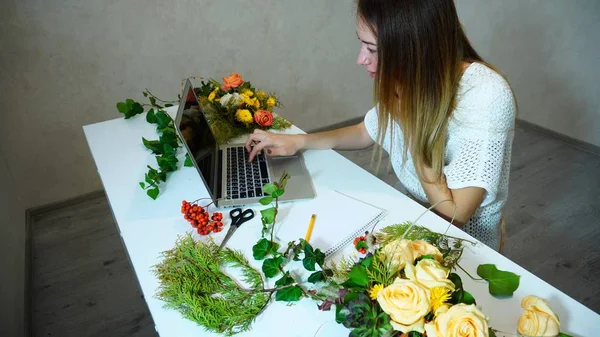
[(480, 141)]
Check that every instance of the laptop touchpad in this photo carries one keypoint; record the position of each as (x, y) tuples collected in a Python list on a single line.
[(292, 165)]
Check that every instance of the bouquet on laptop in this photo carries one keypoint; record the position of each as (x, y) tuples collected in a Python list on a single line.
[(234, 107)]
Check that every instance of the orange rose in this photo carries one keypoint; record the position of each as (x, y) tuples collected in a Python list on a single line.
[(263, 118), (233, 80)]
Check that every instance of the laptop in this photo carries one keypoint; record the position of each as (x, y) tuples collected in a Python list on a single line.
[(230, 178)]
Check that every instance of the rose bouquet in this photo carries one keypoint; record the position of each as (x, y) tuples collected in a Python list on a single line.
[(402, 286), (235, 107)]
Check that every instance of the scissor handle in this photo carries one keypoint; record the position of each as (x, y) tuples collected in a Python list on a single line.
[(238, 217)]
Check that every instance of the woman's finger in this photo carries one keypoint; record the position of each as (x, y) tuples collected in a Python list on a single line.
[(257, 148)]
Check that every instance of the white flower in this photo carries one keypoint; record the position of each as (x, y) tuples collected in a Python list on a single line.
[(233, 100)]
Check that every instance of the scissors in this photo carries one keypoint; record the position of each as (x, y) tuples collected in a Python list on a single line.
[(237, 219)]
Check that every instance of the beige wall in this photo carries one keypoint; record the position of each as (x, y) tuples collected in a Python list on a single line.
[(65, 64), (12, 255), (550, 51)]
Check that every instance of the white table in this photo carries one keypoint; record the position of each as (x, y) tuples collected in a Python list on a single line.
[(149, 227)]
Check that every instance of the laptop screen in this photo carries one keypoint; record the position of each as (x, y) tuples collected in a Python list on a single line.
[(198, 138)]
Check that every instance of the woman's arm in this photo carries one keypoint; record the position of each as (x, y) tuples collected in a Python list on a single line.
[(467, 199), (348, 138)]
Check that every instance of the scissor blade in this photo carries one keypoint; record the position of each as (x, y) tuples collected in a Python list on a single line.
[(227, 236)]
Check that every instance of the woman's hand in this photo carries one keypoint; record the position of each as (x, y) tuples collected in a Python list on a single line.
[(273, 143)]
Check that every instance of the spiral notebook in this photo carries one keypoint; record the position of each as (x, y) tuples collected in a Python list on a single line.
[(339, 219)]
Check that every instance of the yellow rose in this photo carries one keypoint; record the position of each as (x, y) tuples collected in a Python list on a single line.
[(407, 303), (271, 101), (244, 116), (421, 247), (261, 94), (429, 273), (459, 320), (538, 319), (396, 254)]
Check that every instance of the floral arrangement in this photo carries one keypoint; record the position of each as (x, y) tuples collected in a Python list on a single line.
[(398, 283), (235, 107)]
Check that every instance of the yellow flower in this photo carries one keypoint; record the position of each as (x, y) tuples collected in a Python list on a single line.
[(460, 320), (244, 116), (211, 96), (261, 95), (538, 319), (407, 303), (438, 297), (375, 290), (249, 101), (256, 104), (271, 101), (247, 92), (429, 273)]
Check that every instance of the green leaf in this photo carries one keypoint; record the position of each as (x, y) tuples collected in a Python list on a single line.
[(266, 200), (357, 278), (361, 244), (268, 215), (270, 267), (261, 249), (123, 108), (501, 283), (168, 105), (309, 258), (291, 294), (168, 150), (560, 334), (188, 161), (153, 192), (145, 93), (317, 276), (366, 262), (167, 163), (456, 280), (285, 280), (269, 188), (151, 117), (340, 316), (153, 145), (136, 109), (152, 100), (170, 138), (277, 193), (467, 298), (162, 119), (142, 185), (491, 332)]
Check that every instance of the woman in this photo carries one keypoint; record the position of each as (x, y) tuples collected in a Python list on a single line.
[(444, 115)]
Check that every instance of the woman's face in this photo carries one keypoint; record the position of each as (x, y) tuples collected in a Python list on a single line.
[(367, 54)]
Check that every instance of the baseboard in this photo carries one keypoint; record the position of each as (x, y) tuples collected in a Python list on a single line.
[(573, 142), (30, 215)]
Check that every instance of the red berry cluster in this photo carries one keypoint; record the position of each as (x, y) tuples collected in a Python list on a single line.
[(362, 247), (199, 218)]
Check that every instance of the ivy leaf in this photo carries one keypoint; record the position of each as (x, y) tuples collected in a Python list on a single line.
[(309, 258), (277, 193), (268, 215), (162, 119), (269, 188), (562, 334), (152, 145), (136, 109), (145, 93), (285, 280), (291, 294), (167, 163), (151, 117), (361, 244), (261, 249), (170, 138), (168, 150), (188, 161), (501, 283), (153, 192), (123, 108), (142, 185), (317, 276), (366, 262), (492, 333), (265, 200), (271, 266), (357, 278)]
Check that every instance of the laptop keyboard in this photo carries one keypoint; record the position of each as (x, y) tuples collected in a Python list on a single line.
[(245, 179)]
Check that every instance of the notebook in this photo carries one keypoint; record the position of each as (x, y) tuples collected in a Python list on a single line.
[(339, 220)]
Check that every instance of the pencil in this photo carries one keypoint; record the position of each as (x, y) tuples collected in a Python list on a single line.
[(310, 227)]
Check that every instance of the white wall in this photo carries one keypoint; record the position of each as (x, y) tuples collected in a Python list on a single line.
[(550, 51), (12, 256), (66, 63)]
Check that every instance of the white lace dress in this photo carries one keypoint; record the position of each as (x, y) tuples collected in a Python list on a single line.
[(478, 148)]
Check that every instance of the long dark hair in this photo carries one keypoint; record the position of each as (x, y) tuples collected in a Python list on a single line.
[(421, 48)]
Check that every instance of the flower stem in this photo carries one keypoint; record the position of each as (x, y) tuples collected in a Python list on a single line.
[(466, 272)]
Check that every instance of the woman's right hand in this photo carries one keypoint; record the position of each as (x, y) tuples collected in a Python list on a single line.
[(274, 144)]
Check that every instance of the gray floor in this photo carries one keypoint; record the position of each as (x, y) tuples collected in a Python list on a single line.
[(84, 286)]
